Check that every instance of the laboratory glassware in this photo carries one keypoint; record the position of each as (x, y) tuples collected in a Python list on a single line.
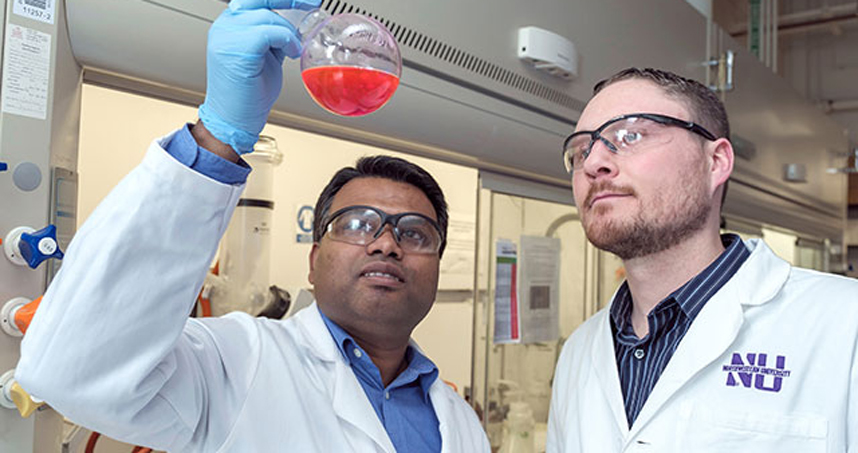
[(350, 63)]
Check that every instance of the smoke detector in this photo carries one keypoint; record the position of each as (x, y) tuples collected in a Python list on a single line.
[(548, 52)]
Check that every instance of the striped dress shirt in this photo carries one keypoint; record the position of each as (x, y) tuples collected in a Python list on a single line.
[(640, 361)]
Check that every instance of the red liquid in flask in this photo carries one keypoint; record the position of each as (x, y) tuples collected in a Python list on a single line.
[(349, 91)]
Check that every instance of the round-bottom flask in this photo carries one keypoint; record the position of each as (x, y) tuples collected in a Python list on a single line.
[(350, 63)]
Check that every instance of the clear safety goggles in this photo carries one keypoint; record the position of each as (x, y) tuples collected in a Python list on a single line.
[(625, 135), (361, 225)]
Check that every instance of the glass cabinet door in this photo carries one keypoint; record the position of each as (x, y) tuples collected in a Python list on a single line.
[(511, 382)]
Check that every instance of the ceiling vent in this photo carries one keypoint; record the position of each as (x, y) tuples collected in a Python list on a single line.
[(423, 43)]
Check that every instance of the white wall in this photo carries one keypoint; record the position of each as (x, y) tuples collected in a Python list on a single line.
[(852, 231), (783, 244), (117, 128)]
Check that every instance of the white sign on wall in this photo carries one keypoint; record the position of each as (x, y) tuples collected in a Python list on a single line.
[(538, 289), (26, 72), (457, 265)]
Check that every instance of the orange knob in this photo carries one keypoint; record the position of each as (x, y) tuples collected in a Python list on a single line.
[(24, 315)]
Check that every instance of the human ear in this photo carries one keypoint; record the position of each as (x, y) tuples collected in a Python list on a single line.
[(313, 256), (721, 160)]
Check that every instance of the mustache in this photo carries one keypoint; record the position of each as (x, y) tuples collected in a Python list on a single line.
[(606, 186)]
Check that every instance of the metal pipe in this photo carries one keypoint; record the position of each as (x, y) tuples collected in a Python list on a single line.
[(764, 30), (829, 15), (841, 106), (775, 21), (748, 25), (770, 32), (793, 29), (820, 13)]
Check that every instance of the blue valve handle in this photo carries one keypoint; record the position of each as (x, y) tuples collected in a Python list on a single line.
[(32, 253), (3, 166)]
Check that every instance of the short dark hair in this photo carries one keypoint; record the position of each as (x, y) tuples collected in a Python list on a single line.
[(704, 105), (386, 167)]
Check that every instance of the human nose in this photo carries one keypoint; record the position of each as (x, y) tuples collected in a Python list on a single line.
[(600, 162), (385, 243)]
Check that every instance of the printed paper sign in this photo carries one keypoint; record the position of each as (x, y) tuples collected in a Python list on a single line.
[(26, 72), (539, 289), (507, 327)]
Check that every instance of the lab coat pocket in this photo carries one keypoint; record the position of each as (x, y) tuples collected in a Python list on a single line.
[(710, 430)]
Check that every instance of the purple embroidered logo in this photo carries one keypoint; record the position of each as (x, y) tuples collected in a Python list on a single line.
[(753, 371)]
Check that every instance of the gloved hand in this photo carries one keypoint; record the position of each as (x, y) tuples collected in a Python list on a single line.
[(244, 68)]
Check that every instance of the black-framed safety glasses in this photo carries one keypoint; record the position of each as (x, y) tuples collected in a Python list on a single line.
[(624, 135), (361, 225)]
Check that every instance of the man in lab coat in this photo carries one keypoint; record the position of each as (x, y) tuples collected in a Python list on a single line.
[(112, 348), (712, 343)]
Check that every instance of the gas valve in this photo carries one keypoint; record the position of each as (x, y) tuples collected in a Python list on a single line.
[(17, 314), (25, 246), (12, 396)]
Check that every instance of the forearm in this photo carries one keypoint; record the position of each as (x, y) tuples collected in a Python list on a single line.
[(115, 313)]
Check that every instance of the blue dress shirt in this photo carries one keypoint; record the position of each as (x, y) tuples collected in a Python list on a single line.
[(640, 361), (183, 147), (404, 406)]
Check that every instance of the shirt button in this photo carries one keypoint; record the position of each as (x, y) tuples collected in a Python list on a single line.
[(357, 352), (387, 395), (639, 353)]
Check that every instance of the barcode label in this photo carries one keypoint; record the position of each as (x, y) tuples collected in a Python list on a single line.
[(40, 10), (41, 4)]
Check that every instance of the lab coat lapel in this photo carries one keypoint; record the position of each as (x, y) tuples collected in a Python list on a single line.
[(716, 326), (605, 367), (444, 411), (349, 399), (351, 404), (711, 333)]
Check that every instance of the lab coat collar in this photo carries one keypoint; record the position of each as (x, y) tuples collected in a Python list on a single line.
[(687, 297), (348, 399), (351, 404), (756, 282), (315, 335), (420, 368), (762, 276)]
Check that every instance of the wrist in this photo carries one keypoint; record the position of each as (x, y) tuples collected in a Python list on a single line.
[(205, 139), (227, 132)]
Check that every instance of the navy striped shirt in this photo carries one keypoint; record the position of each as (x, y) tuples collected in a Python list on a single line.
[(640, 361)]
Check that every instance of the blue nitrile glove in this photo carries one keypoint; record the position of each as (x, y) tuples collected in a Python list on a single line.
[(246, 48)]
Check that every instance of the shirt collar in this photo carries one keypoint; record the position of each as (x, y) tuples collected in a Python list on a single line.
[(621, 308), (420, 367), (687, 297)]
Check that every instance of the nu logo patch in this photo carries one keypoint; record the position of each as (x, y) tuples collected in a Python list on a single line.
[(753, 370)]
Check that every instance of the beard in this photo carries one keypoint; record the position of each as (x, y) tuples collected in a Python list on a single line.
[(654, 228)]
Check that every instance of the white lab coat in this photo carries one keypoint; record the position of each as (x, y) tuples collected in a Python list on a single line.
[(768, 307), (111, 346)]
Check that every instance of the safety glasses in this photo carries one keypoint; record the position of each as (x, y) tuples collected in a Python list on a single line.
[(626, 134), (361, 225)]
